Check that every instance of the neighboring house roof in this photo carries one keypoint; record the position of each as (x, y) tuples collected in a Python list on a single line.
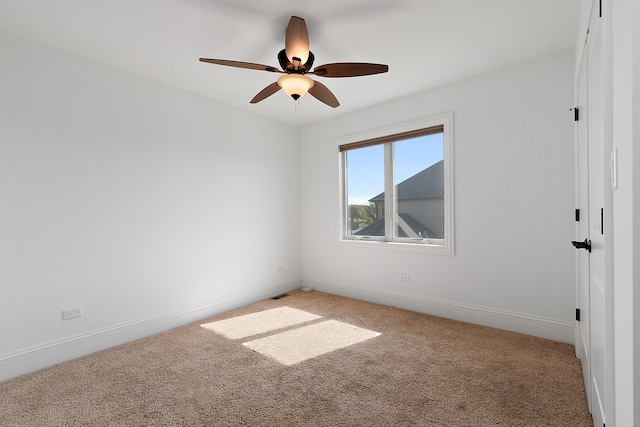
[(377, 228), (428, 184)]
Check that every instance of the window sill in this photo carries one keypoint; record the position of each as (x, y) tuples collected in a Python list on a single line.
[(423, 248)]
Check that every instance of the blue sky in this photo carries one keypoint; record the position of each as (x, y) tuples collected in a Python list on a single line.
[(366, 165)]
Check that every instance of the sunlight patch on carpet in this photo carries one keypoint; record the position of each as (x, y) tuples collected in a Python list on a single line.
[(307, 342), (259, 323)]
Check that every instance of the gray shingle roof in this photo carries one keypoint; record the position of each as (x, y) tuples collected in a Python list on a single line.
[(427, 184), (377, 228)]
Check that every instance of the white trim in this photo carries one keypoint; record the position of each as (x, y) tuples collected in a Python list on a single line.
[(448, 248), (515, 322), (42, 356)]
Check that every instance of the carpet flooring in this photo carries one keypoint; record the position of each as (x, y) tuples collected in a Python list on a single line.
[(316, 360)]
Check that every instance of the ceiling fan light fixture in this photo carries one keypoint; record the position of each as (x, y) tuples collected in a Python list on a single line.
[(295, 85)]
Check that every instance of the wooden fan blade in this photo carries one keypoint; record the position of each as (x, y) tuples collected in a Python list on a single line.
[(349, 69), (296, 40), (323, 94), (240, 64), (266, 92)]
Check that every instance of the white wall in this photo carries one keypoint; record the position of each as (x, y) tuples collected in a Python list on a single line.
[(514, 204), (147, 206)]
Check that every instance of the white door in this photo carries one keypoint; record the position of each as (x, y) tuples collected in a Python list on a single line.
[(596, 228), (591, 199), (583, 350)]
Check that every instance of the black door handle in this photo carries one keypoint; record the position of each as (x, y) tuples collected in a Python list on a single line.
[(582, 245)]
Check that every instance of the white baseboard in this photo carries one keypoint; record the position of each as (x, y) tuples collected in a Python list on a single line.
[(49, 354), (515, 322)]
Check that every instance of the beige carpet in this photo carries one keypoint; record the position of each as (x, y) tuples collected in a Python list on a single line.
[(310, 359)]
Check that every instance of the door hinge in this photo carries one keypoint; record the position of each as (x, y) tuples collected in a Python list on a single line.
[(600, 6), (577, 314), (576, 114), (577, 215), (601, 220)]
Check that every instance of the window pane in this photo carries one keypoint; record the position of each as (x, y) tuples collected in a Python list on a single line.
[(365, 191), (419, 187)]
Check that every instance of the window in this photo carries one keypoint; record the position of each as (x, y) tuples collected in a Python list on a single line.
[(396, 186)]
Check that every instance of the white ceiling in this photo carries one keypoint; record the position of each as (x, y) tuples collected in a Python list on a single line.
[(426, 43)]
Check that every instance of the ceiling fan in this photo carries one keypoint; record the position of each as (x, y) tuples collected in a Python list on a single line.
[(296, 61)]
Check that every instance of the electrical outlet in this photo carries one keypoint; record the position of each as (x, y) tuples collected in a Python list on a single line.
[(404, 278), (72, 313)]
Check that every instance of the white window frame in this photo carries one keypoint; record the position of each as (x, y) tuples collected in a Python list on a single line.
[(436, 246)]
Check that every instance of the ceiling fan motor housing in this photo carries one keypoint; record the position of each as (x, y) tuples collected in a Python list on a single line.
[(289, 67)]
